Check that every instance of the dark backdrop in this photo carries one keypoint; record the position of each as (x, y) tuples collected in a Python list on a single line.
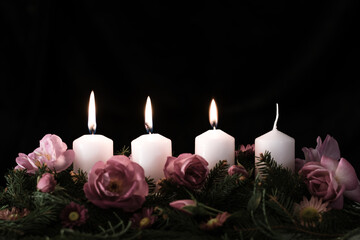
[(248, 55)]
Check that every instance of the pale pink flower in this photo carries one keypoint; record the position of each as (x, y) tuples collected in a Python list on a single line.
[(310, 212), (53, 153), (28, 162), (329, 148)]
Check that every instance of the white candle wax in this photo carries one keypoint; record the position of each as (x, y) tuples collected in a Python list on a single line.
[(280, 145), (91, 148), (215, 145), (151, 150)]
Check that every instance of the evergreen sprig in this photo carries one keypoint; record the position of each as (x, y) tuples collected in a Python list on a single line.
[(260, 207)]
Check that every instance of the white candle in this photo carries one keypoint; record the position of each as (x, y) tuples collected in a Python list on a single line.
[(151, 150), (215, 145), (91, 148), (280, 145)]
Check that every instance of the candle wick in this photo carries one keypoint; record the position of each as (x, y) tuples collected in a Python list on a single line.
[(92, 129), (148, 128), (277, 116)]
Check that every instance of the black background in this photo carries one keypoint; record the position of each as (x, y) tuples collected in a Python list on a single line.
[(248, 55)]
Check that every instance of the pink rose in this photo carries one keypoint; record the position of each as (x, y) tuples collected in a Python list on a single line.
[(189, 170), (53, 152), (46, 183), (330, 180), (118, 183)]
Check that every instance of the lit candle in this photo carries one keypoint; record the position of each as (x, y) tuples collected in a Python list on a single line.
[(151, 150), (215, 145), (92, 147), (280, 145)]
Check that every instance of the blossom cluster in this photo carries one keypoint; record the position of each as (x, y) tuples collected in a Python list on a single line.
[(327, 175)]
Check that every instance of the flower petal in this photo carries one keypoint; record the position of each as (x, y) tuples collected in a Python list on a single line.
[(354, 194), (329, 163), (345, 174), (330, 148)]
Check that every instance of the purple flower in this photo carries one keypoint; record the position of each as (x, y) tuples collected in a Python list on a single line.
[(144, 219), (238, 169), (73, 215), (46, 183), (331, 180), (189, 170), (118, 183), (329, 148), (52, 153), (181, 204)]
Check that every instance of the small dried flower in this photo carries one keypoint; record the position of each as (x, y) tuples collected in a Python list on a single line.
[(73, 215), (248, 150), (310, 212), (13, 214), (216, 222), (144, 219)]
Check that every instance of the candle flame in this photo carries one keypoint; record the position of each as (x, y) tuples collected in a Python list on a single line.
[(277, 116), (213, 114), (92, 114), (148, 116)]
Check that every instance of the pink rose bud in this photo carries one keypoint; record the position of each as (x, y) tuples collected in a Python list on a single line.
[(180, 204), (46, 183)]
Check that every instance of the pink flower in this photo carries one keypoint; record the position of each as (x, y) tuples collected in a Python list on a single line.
[(310, 212), (13, 214), (144, 219), (330, 179), (238, 169), (28, 162), (73, 215), (181, 204), (216, 222), (249, 149), (118, 183), (53, 152), (46, 183), (329, 148), (189, 170)]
